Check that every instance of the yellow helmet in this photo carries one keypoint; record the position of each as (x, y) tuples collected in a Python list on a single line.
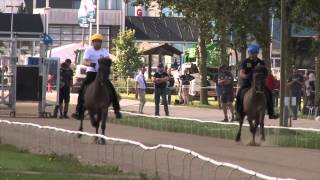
[(96, 36)]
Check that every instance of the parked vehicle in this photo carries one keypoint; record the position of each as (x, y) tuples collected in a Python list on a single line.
[(79, 75)]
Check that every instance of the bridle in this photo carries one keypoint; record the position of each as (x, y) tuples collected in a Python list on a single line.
[(258, 91)]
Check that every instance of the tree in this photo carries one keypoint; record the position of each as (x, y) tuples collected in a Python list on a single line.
[(306, 13), (198, 12), (127, 54)]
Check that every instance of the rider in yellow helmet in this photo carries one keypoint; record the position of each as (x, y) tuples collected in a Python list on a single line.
[(91, 56)]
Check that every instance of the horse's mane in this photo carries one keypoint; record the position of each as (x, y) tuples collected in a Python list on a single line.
[(105, 61), (261, 69)]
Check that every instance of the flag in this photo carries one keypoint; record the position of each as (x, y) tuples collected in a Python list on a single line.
[(87, 12)]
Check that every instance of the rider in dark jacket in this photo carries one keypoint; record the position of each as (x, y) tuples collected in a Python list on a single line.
[(246, 70)]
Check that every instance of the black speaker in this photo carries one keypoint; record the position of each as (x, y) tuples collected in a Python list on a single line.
[(28, 83)]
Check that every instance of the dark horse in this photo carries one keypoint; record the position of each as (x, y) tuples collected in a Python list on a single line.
[(97, 98), (254, 104)]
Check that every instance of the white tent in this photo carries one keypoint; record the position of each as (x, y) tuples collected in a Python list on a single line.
[(68, 52), (65, 52)]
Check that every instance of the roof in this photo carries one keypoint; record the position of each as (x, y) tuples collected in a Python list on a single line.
[(24, 25), (164, 49), (169, 29)]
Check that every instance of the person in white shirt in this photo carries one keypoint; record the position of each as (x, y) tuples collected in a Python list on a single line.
[(91, 56), (141, 87)]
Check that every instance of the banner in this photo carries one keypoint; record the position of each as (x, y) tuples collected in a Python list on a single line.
[(87, 13)]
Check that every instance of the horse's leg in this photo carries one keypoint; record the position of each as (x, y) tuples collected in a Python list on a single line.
[(81, 127), (252, 129), (104, 116), (256, 125), (263, 138), (240, 127), (94, 123), (81, 116)]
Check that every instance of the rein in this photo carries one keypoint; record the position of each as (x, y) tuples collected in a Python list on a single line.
[(257, 91)]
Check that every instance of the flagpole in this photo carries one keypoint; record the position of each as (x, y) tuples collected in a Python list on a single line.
[(98, 15)]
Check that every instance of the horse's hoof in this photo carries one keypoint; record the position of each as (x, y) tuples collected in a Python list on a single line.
[(253, 144), (237, 139), (102, 141)]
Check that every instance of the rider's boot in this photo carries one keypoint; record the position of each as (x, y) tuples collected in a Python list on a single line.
[(270, 107), (115, 100)]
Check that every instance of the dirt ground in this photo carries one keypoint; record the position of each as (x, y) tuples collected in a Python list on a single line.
[(269, 160)]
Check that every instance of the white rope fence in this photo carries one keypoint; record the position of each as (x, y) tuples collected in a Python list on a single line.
[(62, 141)]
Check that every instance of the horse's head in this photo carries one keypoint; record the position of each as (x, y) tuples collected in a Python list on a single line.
[(259, 75), (104, 68)]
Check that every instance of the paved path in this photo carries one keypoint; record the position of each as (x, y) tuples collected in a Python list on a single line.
[(270, 160)]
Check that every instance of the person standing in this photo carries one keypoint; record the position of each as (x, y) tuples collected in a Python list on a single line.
[(272, 84), (160, 79), (225, 80), (185, 81), (141, 87), (218, 88), (91, 56), (170, 87), (66, 75), (295, 84)]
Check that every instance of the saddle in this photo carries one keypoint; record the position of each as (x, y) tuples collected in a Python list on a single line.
[(243, 92)]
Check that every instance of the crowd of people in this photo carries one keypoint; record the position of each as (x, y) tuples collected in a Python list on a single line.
[(300, 87)]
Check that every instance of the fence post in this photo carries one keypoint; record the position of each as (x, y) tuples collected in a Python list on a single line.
[(184, 157), (230, 173), (190, 165), (156, 161), (202, 167), (143, 152), (132, 157), (168, 161), (216, 170)]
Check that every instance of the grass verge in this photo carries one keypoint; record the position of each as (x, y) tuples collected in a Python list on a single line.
[(279, 137), (17, 164)]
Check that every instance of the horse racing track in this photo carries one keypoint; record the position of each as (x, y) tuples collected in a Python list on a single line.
[(205, 161)]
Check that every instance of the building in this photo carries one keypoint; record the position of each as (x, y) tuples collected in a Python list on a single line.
[(63, 20)]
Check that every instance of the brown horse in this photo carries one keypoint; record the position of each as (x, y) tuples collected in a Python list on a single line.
[(97, 98), (254, 104)]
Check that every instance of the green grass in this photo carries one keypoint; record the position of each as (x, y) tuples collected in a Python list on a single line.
[(15, 163), (279, 137), (195, 103)]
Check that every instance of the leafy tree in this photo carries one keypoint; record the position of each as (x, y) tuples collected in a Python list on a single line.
[(198, 12), (306, 13), (127, 54)]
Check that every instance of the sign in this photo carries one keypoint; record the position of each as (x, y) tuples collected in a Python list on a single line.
[(87, 13), (287, 101), (293, 101), (139, 11)]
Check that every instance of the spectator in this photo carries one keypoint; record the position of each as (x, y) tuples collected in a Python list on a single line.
[(272, 84), (141, 87), (218, 88), (295, 84), (185, 81), (225, 80), (310, 89), (65, 84), (160, 87), (170, 87)]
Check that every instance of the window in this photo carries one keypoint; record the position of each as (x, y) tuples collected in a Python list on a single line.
[(76, 4)]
